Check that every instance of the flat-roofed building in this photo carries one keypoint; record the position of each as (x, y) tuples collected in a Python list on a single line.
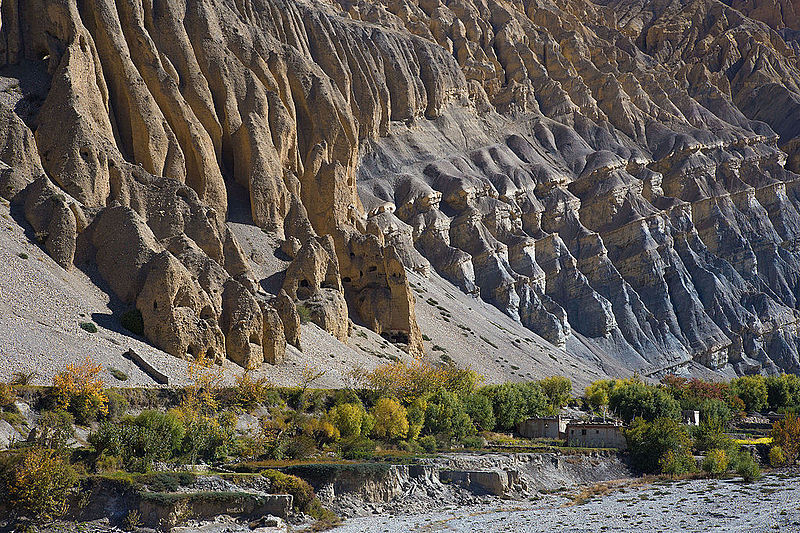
[(544, 427), (596, 435)]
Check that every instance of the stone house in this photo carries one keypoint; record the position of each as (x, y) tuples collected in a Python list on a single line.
[(547, 427), (594, 435)]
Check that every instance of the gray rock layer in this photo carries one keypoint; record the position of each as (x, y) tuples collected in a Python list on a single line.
[(619, 170)]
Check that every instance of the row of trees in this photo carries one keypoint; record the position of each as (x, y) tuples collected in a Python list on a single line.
[(658, 442), (406, 406), (411, 406), (721, 401)]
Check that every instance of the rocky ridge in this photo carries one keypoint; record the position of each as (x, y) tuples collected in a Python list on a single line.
[(620, 172)]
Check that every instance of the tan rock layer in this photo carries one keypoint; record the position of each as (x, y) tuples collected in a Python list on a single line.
[(606, 170)]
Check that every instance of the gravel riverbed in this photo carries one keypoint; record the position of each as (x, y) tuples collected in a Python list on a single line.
[(770, 504)]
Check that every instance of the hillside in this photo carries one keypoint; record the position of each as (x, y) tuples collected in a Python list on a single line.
[(529, 188)]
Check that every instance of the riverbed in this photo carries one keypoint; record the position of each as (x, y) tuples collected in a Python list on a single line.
[(769, 504)]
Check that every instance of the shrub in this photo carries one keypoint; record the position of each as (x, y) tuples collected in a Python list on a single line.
[(786, 434), (88, 326), (109, 463), (274, 431), (410, 446), (24, 378), (558, 390), (302, 492), (473, 441), (132, 321), (479, 408), (7, 395), (79, 390), (118, 374), (117, 405), (169, 481), (516, 402), (55, 429), (676, 463), (358, 448), (323, 431), (649, 443), (348, 418), (210, 438), (428, 443), (340, 396), (39, 483), (746, 466), (752, 390), (304, 312), (250, 392), (391, 420), (132, 520), (300, 447), (445, 417), (633, 398), (716, 462), (140, 441), (709, 435), (776, 457)]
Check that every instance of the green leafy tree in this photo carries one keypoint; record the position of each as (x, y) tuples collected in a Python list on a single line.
[(649, 443), (416, 416), (391, 420), (710, 434), (786, 434), (633, 398), (516, 402), (348, 418), (479, 408), (597, 394), (752, 390), (446, 418), (716, 411), (558, 390), (56, 429), (783, 392)]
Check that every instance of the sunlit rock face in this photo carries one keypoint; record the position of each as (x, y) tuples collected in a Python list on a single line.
[(617, 172), (621, 171)]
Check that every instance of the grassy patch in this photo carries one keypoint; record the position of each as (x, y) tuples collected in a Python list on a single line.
[(88, 326), (118, 374), (305, 313)]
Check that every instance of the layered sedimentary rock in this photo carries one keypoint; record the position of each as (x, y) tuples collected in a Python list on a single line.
[(644, 164), (620, 172)]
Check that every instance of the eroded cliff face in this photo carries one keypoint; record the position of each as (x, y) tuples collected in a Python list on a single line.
[(619, 173)]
